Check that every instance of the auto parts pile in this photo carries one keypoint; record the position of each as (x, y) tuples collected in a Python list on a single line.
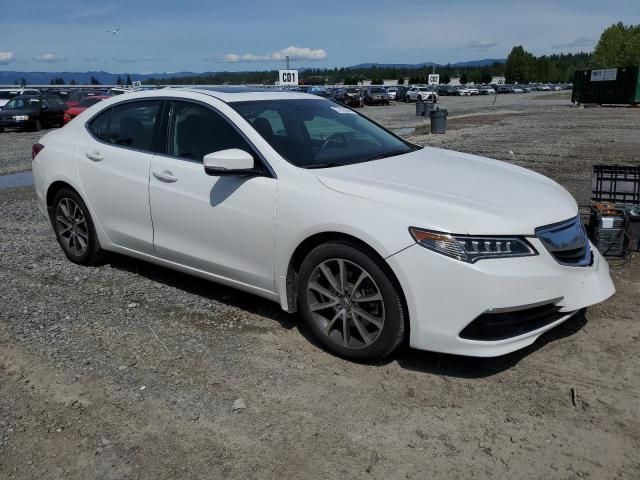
[(614, 225)]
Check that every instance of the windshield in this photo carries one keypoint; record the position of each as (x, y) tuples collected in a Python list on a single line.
[(353, 90), (320, 133), (87, 102), (18, 103), (7, 95), (378, 90)]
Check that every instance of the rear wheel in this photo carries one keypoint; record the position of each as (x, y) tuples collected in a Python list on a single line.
[(74, 228), (350, 303), (36, 126)]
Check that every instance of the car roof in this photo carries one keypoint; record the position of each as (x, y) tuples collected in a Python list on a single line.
[(227, 94)]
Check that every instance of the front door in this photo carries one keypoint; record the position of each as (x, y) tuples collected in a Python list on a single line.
[(221, 225)]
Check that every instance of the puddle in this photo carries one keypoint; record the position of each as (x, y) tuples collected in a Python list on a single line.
[(16, 180)]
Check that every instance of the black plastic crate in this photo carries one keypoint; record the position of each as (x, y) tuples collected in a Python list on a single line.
[(616, 184)]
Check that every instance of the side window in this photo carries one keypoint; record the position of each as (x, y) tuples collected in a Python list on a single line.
[(196, 130), (132, 124), (44, 104), (99, 124)]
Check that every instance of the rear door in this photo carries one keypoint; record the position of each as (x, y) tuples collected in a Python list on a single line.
[(113, 158), (222, 225)]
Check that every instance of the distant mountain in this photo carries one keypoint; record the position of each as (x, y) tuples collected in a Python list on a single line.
[(392, 65), (106, 78), (472, 63)]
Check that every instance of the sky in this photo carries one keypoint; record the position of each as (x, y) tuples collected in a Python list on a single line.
[(194, 35)]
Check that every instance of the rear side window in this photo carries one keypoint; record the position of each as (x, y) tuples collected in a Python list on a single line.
[(99, 124), (196, 130), (133, 124)]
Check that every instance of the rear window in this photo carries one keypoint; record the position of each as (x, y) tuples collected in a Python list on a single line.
[(7, 95), (99, 125), (132, 124)]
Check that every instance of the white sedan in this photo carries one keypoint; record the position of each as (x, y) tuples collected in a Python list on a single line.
[(297, 199), (421, 94)]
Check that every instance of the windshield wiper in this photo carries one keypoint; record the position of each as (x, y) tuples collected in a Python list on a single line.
[(386, 155), (325, 165)]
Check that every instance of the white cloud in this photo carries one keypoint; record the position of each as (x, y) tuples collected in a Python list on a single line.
[(6, 58), (50, 58), (294, 53), (481, 45), (580, 42)]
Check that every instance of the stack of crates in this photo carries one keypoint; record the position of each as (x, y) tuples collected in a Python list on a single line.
[(614, 225)]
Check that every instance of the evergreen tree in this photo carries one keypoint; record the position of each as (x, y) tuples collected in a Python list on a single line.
[(619, 46)]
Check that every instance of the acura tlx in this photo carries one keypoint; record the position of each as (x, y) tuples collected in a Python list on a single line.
[(302, 201)]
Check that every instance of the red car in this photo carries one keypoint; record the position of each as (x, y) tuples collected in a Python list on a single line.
[(82, 105)]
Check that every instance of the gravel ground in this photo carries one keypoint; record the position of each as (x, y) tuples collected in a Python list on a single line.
[(128, 370)]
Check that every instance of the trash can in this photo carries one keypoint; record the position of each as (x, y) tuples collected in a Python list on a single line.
[(419, 108), (428, 108), (438, 121)]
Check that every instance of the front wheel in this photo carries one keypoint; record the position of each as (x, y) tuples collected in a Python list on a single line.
[(348, 300), (74, 228)]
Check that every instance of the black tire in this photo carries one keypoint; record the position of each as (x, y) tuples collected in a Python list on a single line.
[(92, 253), (379, 280), (36, 126)]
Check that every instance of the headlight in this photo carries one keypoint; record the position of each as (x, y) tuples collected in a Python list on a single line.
[(470, 249), (21, 117)]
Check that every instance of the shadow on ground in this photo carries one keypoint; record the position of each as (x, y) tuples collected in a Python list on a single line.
[(441, 364)]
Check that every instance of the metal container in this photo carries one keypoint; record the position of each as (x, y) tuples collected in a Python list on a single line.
[(438, 121), (607, 227), (607, 86)]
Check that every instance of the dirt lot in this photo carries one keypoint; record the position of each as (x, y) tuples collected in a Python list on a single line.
[(131, 371)]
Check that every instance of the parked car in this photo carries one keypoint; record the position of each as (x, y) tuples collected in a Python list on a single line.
[(486, 90), (32, 112), (392, 91), (544, 88), (373, 240), (463, 90), (72, 112), (376, 96), (353, 97), (401, 94), (473, 90), (505, 89), (446, 90), (7, 94), (517, 89), (73, 99), (421, 94)]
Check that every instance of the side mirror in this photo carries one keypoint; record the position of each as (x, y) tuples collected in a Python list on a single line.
[(230, 162)]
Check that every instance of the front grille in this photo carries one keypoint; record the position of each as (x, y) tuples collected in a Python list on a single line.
[(567, 242), (500, 325)]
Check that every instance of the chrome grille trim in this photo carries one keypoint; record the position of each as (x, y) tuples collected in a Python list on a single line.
[(567, 242)]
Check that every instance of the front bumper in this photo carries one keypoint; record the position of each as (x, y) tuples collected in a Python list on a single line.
[(445, 295), (11, 123)]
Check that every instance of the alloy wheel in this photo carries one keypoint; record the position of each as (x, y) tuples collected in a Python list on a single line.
[(72, 227), (346, 303)]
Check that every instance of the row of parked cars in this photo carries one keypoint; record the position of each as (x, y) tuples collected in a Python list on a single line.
[(34, 109), (381, 95)]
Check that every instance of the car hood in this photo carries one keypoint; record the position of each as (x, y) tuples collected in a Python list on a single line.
[(456, 192)]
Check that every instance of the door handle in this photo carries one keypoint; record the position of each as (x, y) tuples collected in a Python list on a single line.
[(165, 176), (95, 156)]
